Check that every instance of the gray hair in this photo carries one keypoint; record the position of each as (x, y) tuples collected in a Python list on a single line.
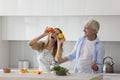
[(93, 24)]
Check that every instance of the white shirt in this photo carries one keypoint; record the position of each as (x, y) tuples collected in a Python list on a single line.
[(85, 56), (45, 59)]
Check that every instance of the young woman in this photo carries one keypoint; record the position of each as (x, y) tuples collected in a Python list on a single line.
[(49, 50)]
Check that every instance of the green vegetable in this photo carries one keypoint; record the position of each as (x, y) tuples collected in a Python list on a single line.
[(60, 70)]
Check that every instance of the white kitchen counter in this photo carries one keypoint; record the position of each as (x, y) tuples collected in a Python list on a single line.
[(111, 76), (48, 76)]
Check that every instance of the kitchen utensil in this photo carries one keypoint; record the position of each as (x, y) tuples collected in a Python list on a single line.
[(108, 65)]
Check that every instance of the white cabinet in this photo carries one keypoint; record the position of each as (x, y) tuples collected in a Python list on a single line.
[(28, 7), (102, 7), (58, 7), (13, 29), (71, 7), (25, 28), (88, 7), (109, 29), (18, 28)]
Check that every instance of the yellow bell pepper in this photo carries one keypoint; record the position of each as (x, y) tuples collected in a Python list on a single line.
[(60, 36)]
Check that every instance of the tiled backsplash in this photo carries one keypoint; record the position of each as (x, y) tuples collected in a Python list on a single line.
[(20, 50)]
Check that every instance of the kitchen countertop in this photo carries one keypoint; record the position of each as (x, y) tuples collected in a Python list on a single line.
[(111, 76), (15, 75)]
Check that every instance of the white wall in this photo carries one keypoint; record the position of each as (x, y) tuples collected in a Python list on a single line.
[(4, 56)]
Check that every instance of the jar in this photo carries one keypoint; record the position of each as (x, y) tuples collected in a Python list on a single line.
[(23, 64)]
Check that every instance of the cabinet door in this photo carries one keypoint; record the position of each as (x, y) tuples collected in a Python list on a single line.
[(28, 7), (20, 28), (71, 27), (8, 7), (25, 28), (12, 29), (109, 28), (71, 7), (88, 7), (102, 7)]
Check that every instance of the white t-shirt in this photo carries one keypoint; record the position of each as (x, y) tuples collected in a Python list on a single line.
[(45, 59), (85, 56)]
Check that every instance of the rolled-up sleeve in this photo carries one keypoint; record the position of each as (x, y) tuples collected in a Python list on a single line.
[(100, 56), (72, 55)]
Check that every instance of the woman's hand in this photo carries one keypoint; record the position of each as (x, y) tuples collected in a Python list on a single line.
[(46, 31), (60, 41)]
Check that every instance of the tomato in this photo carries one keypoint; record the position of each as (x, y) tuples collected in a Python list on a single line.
[(39, 72), (60, 36), (50, 29)]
